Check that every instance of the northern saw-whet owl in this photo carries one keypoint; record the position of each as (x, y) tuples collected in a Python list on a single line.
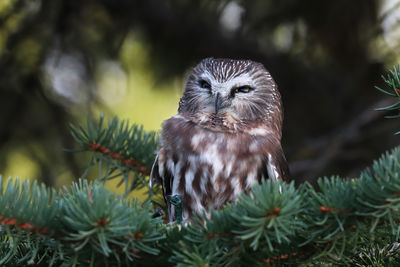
[(225, 138)]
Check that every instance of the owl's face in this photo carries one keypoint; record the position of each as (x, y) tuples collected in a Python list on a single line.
[(242, 89)]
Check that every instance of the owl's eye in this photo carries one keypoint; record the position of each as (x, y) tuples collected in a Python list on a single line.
[(204, 84), (243, 89)]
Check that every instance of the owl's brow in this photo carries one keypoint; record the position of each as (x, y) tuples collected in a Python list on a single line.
[(240, 80), (208, 77)]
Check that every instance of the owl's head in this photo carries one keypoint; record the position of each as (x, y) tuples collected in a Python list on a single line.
[(242, 89)]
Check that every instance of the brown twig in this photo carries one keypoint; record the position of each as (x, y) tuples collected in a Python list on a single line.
[(117, 156)]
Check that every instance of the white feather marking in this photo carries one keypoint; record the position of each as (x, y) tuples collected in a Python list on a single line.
[(185, 215), (208, 213), (160, 162), (251, 179), (203, 117), (196, 140), (219, 201), (259, 131), (235, 186), (198, 206), (151, 174), (178, 117), (213, 158), (170, 165), (272, 172), (172, 215), (203, 183), (208, 75), (253, 146), (228, 167), (176, 176), (189, 176), (243, 166)]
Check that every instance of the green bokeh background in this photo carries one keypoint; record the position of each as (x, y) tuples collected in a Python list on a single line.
[(64, 60)]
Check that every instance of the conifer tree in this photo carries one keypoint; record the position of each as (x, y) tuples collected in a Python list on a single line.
[(341, 222)]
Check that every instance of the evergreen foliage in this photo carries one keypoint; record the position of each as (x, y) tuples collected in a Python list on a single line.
[(392, 81), (345, 221), (119, 148), (341, 222)]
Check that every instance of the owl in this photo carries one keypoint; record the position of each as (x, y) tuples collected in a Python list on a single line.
[(225, 137)]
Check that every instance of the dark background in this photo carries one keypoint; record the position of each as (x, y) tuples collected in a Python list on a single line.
[(326, 57)]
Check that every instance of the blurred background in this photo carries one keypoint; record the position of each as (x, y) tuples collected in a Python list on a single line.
[(62, 60)]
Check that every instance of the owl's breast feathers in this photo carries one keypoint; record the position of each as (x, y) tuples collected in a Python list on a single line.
[(210, 160)]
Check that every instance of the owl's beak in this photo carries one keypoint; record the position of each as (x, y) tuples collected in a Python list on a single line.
[(218, 102)]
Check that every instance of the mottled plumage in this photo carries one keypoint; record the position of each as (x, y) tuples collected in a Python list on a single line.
[(225, 138)]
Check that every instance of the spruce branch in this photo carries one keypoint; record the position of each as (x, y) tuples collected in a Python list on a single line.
[(343, 222), (28, 219), (269, 214), (108, 224), (119, 149), (392, 81), (83, 224)]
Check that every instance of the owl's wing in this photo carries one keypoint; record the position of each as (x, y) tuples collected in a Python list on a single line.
[(160, 175), (155, 174), (277, 166)]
